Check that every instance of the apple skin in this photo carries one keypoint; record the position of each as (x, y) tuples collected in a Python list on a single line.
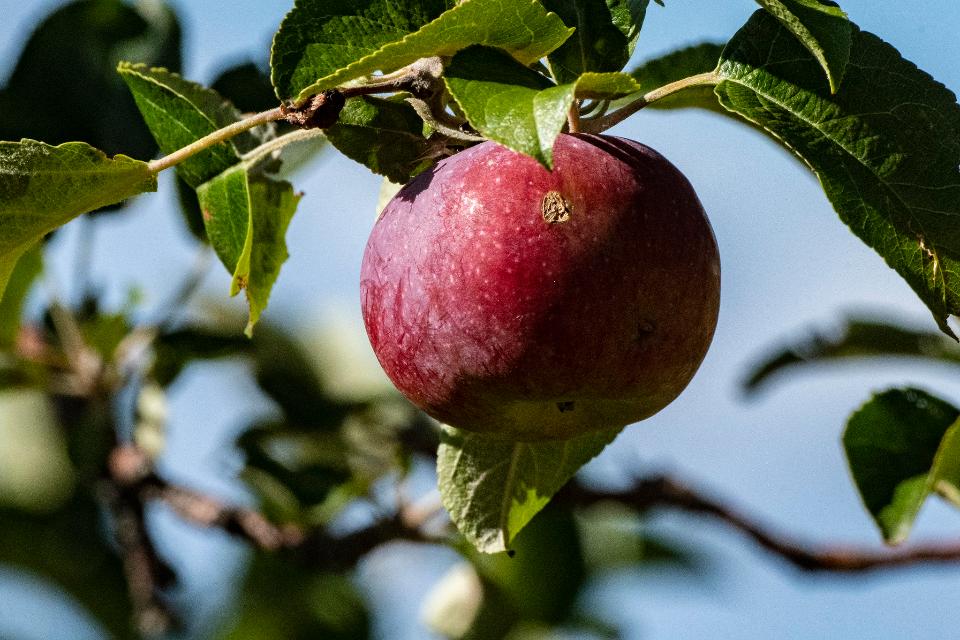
[(492, 319)]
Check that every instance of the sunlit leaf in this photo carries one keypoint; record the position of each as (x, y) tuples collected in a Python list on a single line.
[(320, 46), (492, 488), (246, 218), (518, 107)]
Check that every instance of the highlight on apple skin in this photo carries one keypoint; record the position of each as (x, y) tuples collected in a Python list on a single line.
[(504, 298)]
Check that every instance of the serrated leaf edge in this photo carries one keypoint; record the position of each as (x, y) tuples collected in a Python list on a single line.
[(345, 74)]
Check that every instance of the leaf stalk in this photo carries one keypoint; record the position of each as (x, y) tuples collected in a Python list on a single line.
[(221, 135), (599, 125)]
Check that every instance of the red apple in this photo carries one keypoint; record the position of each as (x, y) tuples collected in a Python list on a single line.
[(504, 298)]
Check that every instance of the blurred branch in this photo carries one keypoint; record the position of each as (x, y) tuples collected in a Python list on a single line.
[(130, 468), (131, 473), (340, 553), (204, 511), (148, 575), (665, 492)]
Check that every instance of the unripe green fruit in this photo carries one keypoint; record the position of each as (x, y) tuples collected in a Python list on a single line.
[(504, 298)]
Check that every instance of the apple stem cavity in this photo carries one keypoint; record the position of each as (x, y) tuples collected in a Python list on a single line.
[(554, 208)]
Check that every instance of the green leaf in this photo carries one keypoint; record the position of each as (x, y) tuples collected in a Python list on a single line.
[(319, 47), (885, 147), (51, 525), (43, 187), (677, 65), (307, 463), (65, 86), (384, 135), (518, 107), (492, 487), (823, 29), (176, 350), (615, 537), (11, 301), (286, 373), (902, 445), (283, 598), (246, 217), (605, 36), (547, 570), (247, 86), (857, 338), (317, 39), (36, 475), (245, 214), (67, 548), (180, 112)]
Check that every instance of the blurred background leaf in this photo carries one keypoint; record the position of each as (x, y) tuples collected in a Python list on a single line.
[(65, 86), (856, 337), (282, 600)]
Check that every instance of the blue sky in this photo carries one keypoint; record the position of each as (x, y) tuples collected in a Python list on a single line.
[(788, 265)]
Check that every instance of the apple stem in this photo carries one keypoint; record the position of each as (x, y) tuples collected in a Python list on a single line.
[(601, 124), (573, 117)]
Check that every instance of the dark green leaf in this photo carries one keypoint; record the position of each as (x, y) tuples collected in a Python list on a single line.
[(516, 106), (11, 301), (677, 65), (546, 570), (104, 332), (614, 538), (286, 373), (308, 464), (857, 338), (180, 112), (65, 86), (49, 526), (885, 147), (176, 350), (43, 187), (247, 87), (281, 600), (68, 549), (606, 33), (319, 47), (246, 217), (492, 488), (190, 210), (902, 445), (823, 29), (317, 39), (497, 595), (384, 135)]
